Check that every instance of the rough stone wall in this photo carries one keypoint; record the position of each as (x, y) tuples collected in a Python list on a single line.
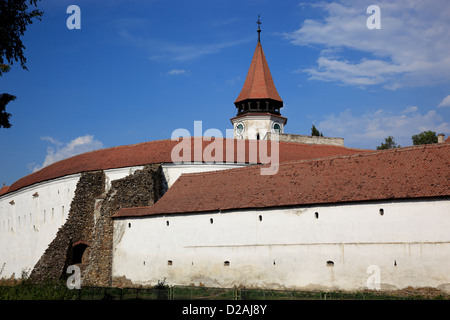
[(89, 222), (78, 227)]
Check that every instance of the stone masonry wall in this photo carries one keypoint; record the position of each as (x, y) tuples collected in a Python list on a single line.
[(78, 227), (89, 223)]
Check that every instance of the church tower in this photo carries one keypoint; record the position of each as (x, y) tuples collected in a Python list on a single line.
[(258, 105)]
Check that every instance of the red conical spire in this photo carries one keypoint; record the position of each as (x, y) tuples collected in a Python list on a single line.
[(259, 93), (259, 83)]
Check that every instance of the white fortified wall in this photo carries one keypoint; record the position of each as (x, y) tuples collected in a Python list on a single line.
[(30, 217), (341, 247), (29, 220)]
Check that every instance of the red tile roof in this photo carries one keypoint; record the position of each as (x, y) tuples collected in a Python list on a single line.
[(258, 83), (160, 152), (404, 173), (4, 190)]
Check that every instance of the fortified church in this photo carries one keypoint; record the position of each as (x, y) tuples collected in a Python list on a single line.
[(326, 217)]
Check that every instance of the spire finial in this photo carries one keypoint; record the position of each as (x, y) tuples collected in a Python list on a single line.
[(259, 29)]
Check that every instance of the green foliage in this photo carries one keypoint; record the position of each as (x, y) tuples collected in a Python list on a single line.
[(14, 18), (57, 290), (425, 137), (162, 285), (315, 132), (389, 143), (5, 98), (50, 290), (4, 68), (24, 289)]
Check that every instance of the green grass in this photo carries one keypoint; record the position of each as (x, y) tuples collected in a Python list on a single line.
[(57, 290), (51, 290)]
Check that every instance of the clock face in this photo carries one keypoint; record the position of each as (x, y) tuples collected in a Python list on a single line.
[(277, 127), (240, 128)]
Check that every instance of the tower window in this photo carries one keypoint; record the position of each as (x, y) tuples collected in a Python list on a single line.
[(240, 128), (226, 263), (276, 127)]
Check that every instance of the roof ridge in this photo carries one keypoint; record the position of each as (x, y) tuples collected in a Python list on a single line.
[(368, 153)]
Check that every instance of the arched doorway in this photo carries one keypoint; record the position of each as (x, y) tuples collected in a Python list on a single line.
[(80, 252)]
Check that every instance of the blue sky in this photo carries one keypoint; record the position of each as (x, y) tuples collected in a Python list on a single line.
[(138, 70)]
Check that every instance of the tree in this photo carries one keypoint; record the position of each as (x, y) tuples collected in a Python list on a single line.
[(5, 98), (425, 137), (389, 143), (14, 18), (315, 132)]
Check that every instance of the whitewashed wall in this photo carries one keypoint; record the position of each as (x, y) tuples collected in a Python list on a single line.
[(256, 124), (29, 225), (339, 248), (173, 171)]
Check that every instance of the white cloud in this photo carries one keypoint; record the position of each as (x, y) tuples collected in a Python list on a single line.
[(169, 50), (51, 140), (233, 81), (60, 151), (410, 49), (176, 72), (183, 52), (445, 102), (369, 130), (363, 73)]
